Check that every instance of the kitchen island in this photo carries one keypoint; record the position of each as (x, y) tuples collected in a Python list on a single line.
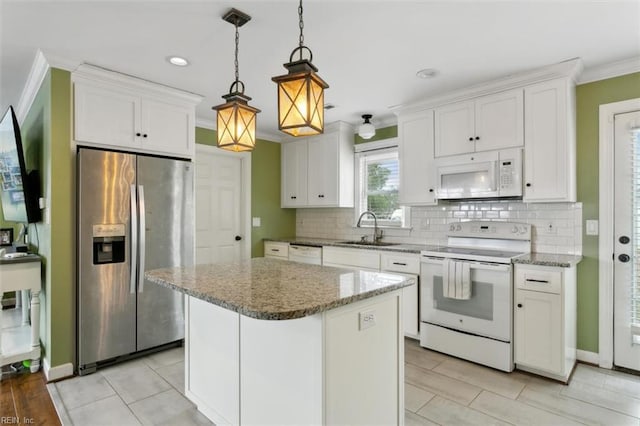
[(276, 342)]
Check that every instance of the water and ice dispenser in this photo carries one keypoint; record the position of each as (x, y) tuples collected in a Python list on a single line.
[(108, 243)]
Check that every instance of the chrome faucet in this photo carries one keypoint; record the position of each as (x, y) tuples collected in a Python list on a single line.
[(377, 233)]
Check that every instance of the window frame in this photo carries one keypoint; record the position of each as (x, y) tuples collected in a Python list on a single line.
[(370, 149)]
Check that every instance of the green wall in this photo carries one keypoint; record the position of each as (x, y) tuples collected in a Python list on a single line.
[(46, 131), (589, 97), (383, 133), (265, 192)]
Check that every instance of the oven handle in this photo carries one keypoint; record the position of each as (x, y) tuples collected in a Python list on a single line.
[(473, 263)]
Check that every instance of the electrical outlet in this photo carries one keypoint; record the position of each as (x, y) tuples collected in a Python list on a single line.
[(551, 228), (367, 319)]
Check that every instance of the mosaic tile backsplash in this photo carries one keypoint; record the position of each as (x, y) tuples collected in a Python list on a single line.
[(556, 227)]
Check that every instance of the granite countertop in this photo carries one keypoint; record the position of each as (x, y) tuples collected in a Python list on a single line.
[(320, 242), (31, 257), (273, 289), (548, 259)]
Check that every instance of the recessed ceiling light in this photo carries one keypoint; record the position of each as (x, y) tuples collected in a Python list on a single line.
[(427, 73), (178, 61)]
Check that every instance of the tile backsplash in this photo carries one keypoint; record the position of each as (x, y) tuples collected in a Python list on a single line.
[(556, 227)]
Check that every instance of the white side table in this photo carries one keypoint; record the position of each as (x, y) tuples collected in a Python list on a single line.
[(20, 341)]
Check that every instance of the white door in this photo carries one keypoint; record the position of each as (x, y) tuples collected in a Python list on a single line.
[(323, 170), (221, 206), (627, 241)]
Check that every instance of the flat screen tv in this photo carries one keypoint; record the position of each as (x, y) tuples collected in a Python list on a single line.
[(19, 188)]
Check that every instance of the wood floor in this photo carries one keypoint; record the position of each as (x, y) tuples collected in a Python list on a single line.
[(24, 399)]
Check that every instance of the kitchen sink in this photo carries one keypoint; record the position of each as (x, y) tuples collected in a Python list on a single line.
[(369, 243)]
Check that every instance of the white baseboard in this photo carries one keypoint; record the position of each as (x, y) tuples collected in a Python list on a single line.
[(588, 357), (58, 372)]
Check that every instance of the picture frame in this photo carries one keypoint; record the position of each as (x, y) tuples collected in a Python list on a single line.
[(6, 236)]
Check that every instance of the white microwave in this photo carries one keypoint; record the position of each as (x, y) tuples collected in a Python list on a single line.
[(493, 174)]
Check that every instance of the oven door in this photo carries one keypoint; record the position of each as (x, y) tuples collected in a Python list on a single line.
[(486, 313)]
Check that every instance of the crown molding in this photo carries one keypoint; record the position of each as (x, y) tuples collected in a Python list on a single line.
[(36, 76), (610, 70), (568, 69), (387, 121)]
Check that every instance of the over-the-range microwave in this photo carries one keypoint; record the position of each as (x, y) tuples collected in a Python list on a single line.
[(491, 174)]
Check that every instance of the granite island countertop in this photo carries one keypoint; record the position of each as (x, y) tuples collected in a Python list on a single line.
[(273, 289)]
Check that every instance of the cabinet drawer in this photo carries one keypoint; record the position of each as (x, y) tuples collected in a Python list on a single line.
[(543, 279), (276, 249), (351, 258), (400, 263)]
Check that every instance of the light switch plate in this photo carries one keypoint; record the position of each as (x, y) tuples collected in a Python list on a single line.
[(255, 222), (592, 227)]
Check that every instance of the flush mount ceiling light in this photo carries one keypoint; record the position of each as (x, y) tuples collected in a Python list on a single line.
[(178, 61), (300, 93), (366, 129), (236, 122), (427, 73)]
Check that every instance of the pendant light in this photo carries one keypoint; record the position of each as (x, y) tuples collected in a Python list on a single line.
[(300, 93), (366, 129), (236, 122)]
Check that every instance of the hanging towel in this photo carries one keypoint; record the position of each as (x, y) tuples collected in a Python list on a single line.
[(445, 277), (465, 284), (456, 279)]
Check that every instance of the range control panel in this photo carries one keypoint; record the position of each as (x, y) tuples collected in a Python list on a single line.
[(486, 229)]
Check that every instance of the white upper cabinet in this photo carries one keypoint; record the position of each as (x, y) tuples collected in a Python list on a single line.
[(123, 112), (320, 169), (481, 124), (294, 173), (550, 143), (415, 149)]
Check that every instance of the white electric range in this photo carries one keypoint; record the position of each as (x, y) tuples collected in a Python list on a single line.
[(467, 291)]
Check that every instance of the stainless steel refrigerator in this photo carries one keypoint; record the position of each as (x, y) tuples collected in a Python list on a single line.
[(135, 213)]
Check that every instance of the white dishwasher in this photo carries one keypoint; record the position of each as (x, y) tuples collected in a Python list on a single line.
[(305, 254)]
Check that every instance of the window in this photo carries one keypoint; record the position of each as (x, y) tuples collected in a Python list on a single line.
[(377, 185)]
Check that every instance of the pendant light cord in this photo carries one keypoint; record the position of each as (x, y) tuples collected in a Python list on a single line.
[(301, 24), (237, 48)]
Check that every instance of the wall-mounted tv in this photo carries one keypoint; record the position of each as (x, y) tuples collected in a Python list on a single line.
[(19, 188)]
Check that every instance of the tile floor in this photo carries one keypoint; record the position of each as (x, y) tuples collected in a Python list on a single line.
[(438, 390)]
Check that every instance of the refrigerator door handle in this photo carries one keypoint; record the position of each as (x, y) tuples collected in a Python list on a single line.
[(134, 240), (142, 236)]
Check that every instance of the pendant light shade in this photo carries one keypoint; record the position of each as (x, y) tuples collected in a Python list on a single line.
[(300, 93), (236, 121)]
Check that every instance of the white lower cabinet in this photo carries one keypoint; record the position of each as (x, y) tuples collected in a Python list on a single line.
[(374, 260), (545, 320), (276, 250), (320, 369)]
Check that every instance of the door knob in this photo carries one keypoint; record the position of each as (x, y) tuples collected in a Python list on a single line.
[(624, 239), (519, 305), (624, 258), (238, 237)]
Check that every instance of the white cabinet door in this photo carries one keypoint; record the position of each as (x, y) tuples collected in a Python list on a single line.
[(417, 174), (482, 124), (538, 331), (499, 121), (167, 128), (549, 150), (454, 129), (294, 173), (106, 116), (323, 170)]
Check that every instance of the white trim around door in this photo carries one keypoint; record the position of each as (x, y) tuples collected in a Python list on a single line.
[(605, 245), (246, 189)]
